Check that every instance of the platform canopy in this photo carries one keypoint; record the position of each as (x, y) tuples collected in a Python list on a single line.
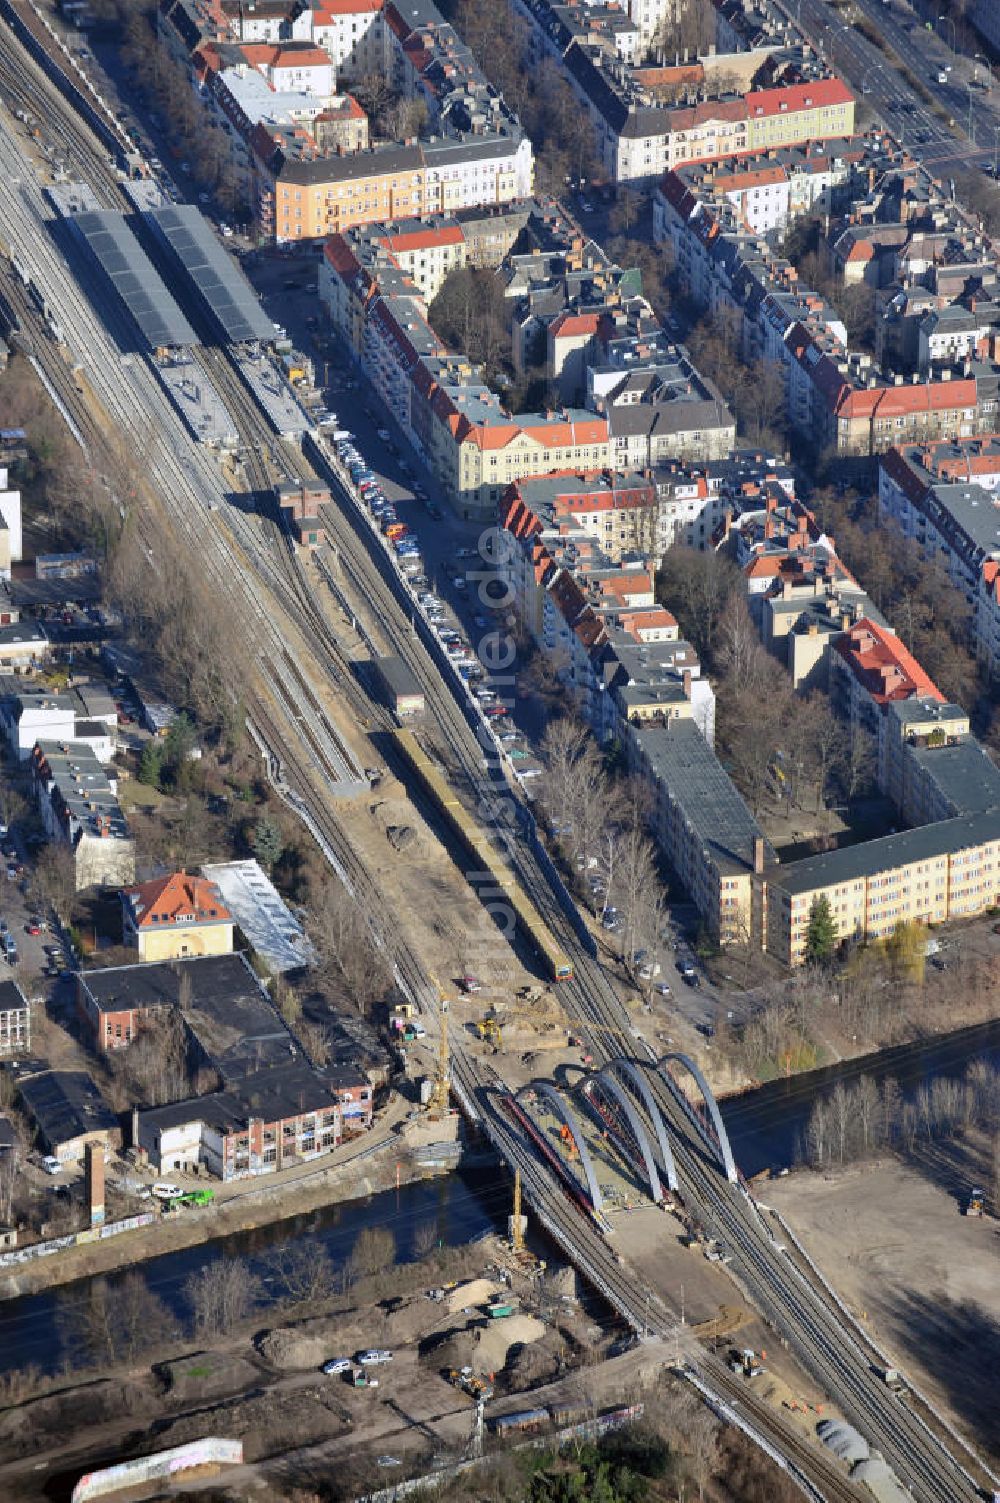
[(134, 278), (217, 277)]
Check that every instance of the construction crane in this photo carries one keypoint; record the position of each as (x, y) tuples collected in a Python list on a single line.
[(516, 1220), (437, 1102)]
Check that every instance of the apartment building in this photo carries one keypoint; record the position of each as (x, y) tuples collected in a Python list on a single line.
[(768, 189), (78, 803), (703, 826), (620, 512), (945, 497), (15, 1020), (927, 875), (639, 133), (303, 149), (838, 399)]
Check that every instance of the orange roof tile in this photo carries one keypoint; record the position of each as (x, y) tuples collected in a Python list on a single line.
[(882, 665), (176, 900)]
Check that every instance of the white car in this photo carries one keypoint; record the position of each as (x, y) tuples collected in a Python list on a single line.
[(51, 1165), (337, 1365), (375, 1357), (165, 1191)]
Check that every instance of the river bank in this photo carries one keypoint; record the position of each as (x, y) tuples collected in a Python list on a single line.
[(381, 1163), (766, 1125)]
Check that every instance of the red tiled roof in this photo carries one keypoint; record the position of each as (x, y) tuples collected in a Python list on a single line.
[(897, 401), (571, 325), (792, 98), (882, 665), (324, 11), (415, 240), (177, 899), (303, 57)]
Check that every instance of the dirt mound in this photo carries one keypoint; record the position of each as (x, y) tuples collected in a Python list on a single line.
[(472, 1294), (295, 1351), (207, 1375), (561, 1283), (531, 1366), (483, 1347)]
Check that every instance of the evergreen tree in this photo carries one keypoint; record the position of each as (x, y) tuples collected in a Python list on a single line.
[(821, 935)]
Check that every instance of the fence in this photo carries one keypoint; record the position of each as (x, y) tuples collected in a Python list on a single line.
[(21, 1255)]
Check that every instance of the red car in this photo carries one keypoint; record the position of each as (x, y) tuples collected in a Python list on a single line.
[(33, 928)]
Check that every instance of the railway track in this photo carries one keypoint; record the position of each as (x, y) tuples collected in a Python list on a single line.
[(806, 1319)]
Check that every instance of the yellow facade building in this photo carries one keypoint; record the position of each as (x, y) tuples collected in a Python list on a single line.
[(176, 916)]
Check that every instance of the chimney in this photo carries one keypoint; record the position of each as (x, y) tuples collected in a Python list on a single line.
[(758, 855), (687, 683), (94, 1182)]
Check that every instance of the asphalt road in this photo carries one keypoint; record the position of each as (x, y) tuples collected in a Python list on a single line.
[(870, 72)]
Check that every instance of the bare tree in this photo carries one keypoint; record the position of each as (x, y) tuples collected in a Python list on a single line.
[(425, 1240), (303, 1270), (373, 1252), (221, 1295), (346, 949)]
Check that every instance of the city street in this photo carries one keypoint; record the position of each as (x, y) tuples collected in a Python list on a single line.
[(872, 74)]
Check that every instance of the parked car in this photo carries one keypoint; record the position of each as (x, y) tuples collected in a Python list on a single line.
[(51, 1165), (336, 1365), (374, 1357)]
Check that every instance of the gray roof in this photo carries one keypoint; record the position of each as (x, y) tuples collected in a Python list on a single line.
[(855, 862), (227, 1011), (975, 510), (963, 774), (65, 1104), (679, 755), (353, 165), (134, 278), (12, 999), (217, 277)]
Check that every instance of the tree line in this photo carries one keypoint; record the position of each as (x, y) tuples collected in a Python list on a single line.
[(600, 819), (854, 1122)]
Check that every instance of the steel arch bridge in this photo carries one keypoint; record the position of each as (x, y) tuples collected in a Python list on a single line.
[(566, 1115), (604, 1080), (723, 1144), (634, 1074)]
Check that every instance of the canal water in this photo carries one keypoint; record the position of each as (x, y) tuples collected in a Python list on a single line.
[(461, 1207), (767, 1126)]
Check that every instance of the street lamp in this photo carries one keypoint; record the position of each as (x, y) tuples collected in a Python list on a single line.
[(972, 121), (832, 26), (981, 58), (951, 23), (875, 68), (996, 149)]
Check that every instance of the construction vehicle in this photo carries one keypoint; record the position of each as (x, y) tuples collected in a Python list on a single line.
[(490, 1031), (568, 1140), (474, 1384), (976, 1203), (499, 1309), (745, 1361)]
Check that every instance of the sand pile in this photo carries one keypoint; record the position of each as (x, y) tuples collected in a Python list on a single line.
[(471, 1294)]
